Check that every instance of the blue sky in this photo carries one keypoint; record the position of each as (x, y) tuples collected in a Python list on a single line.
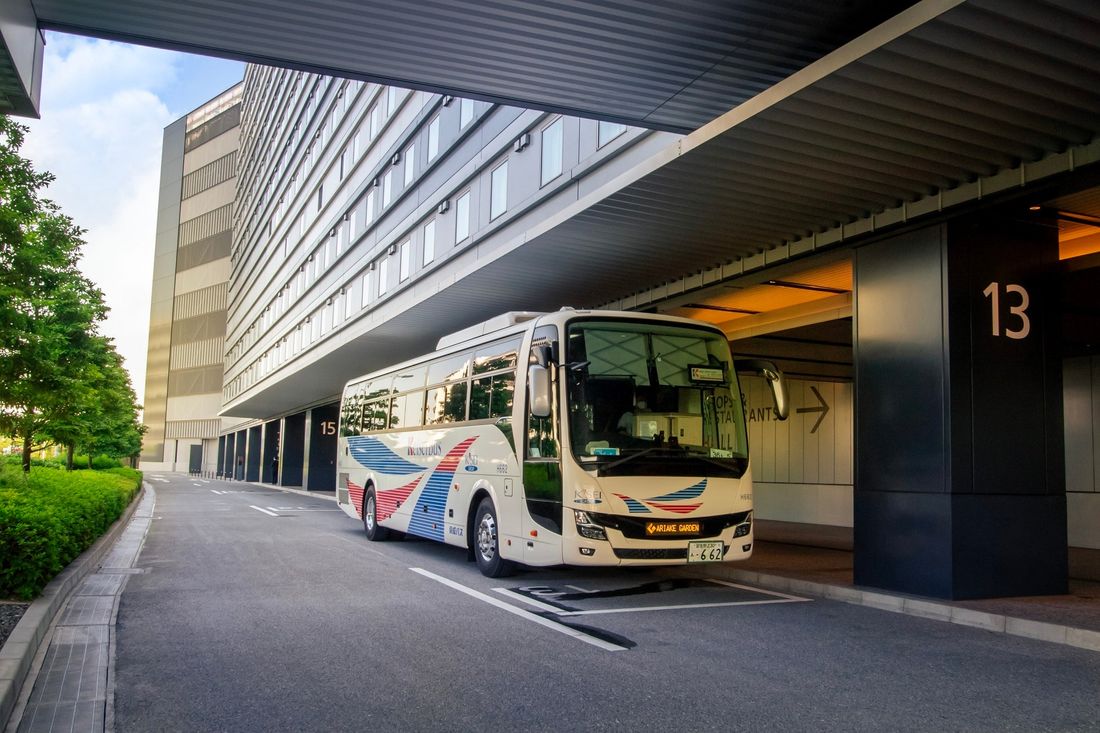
[(104, 109)]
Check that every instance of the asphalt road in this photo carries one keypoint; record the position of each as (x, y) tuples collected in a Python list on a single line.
[(245, 621)]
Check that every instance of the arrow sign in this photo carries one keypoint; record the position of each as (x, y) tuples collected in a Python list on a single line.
[(823, 409)]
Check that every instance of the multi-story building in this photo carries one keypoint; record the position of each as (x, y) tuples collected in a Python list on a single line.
[(183, 385), (362, 213)]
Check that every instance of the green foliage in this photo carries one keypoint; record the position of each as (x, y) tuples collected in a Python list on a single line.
[(49, 517), (60, 381)]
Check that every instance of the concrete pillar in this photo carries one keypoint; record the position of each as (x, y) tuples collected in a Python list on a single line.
[(255, 451), (321, 447), (270, 459), (959, 487), (293, 450)]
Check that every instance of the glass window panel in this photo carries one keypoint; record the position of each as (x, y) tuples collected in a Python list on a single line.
[(429, 241), (462, 217), (406, 259), (497, 356), (552, 151), (449, 368), (433, 139), (445, 404), (498, 197)]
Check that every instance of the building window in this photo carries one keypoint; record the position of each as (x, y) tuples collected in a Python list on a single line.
[(406, 259), (551, 151), (349, 300), (429, 241), (383, 275), (387, 188), (465, 112), (375, 121), (370, 206), (498, 195), (608, 131), (433, 139), (410, 159), (391, 100), (366, 291), (462, 217)]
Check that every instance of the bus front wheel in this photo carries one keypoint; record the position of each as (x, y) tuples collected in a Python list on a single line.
[(487, 542), (375, 532)]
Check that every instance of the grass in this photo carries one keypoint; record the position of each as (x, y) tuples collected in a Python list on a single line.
[(50, 517)]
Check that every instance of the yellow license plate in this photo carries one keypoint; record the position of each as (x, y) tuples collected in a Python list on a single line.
[(672, 529)]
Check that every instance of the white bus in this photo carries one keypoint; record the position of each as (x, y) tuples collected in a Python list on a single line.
[(575, 437)]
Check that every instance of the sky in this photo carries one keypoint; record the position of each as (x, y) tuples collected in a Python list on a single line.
[(103, 112)]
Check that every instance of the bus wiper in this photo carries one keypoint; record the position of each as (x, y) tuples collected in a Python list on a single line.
[(630, 457)]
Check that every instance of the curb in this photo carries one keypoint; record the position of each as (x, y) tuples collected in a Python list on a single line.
[(21, 647), (913, 606)]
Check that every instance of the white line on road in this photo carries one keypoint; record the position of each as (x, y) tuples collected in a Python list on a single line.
[(158, 478), (594, 641), (777, 594), (779, 598), (270, 514)]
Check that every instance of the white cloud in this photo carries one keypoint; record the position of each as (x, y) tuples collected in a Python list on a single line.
[(104, 109)]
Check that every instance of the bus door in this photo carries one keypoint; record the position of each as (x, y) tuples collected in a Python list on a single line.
[(542, 470)]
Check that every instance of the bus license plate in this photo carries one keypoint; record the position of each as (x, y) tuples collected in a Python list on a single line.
[(705, 551)]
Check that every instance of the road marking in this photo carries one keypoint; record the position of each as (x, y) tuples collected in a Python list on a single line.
[(270, 514), (215, 491), (158, 478), (201, 481), (779, 598), (568, 631), (777, 594), (301, 509)]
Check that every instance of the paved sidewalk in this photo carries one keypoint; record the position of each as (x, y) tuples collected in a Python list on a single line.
[(72, 691)]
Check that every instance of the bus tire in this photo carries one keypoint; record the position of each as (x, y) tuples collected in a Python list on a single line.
[(487, 542), (375, 532)]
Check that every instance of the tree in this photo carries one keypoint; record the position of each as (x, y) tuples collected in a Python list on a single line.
[(101, 417), (48, 311)]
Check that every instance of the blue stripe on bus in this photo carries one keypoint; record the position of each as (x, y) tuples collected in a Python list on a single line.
[(690, 492), (373, 454)]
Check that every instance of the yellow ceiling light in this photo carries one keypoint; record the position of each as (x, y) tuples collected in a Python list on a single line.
[(793, 289), (1077, 238)]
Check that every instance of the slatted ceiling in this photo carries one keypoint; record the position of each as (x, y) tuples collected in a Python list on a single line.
[(756, 185), (650, 62)]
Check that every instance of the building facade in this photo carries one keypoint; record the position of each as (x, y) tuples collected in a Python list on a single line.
[(183, 388)]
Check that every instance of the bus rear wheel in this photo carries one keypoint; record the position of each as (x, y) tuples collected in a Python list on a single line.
[(375, 532), (487, 542)]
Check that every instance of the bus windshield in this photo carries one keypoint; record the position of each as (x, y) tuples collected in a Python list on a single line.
[(649, 398)]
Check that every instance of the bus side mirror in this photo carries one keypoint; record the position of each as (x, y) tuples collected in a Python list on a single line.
[(774, 378), (538, 390)]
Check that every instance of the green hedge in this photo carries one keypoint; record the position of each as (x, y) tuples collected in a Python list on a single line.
[(51, 517)]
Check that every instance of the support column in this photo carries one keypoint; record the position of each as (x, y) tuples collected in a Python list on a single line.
[(220, 465), (959, 472), (252, 461), (293, 453), (321, 447), (270, 459)]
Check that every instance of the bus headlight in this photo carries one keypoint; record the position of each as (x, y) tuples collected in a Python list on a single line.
[(587, 528), (745, 528)]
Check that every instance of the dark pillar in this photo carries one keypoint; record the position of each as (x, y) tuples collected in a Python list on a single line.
[(270, 459), (220, 464), (230, 455), (959, 473), (252, 462), (321, 471), (242, 450), (293, 451)]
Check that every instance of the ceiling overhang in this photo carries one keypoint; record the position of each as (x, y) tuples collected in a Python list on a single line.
[(670, 66), (945, 104)]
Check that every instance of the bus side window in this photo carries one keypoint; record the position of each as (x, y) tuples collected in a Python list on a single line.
[(445, 404)]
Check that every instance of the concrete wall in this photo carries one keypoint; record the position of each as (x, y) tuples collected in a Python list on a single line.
[(1081, 385), (802, 467)]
